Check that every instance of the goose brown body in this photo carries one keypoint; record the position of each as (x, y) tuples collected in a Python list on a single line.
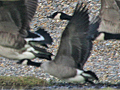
[(15, 17)]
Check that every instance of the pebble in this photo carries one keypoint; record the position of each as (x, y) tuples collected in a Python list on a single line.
[(105, 56)]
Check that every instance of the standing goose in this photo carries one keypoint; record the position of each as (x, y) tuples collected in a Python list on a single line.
[(110, 21), (16, 41), (73, 51)]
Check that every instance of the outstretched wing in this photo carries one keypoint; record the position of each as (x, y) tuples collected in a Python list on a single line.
[(74, 46), (93, 28), (80, 45), (31, 8), (27, 11)]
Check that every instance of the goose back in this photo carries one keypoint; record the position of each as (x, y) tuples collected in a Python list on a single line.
[(9, 18), (14, 20), (10, 24), (110, 17), (19, 13)]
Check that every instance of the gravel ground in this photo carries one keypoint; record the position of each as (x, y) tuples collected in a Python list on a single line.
[(104, 59)]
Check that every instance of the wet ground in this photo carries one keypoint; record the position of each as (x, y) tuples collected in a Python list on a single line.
[(79, 87), (67, 86)]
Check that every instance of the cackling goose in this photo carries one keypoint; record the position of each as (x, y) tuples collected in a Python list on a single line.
[(16, 41), (73, 51)]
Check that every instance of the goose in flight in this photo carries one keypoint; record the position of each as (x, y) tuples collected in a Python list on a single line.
[(73, 51)]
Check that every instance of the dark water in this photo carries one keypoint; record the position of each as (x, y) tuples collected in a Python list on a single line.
[(66, 86)]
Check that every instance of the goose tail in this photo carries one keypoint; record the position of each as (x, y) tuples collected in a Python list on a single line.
[(35, 51), (42, 53), (90, 76), (29, 62)]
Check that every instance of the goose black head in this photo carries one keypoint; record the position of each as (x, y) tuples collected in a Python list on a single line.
[(60, 16)]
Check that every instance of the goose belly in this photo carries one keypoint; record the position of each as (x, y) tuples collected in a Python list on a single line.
[(77, 78), (62, 72), (59, 71)]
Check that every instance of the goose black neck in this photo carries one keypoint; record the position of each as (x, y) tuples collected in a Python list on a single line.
[(65, 17), (36, 64), (111, 36)]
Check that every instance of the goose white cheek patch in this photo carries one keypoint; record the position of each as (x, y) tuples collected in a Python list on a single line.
[(57, 16), (101, 36), (24, 62)]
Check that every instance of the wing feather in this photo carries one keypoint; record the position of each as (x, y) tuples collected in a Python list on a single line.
[(74, 47), (31, 8)]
